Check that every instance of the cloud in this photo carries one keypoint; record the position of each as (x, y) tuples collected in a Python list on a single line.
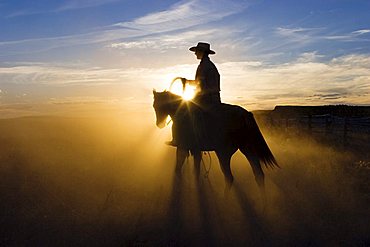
[(309, 57), (130, 79), (298, 34), (310, 35), (166, 41), (284, 41), (178, 17), (80, 4), (49, 74), (342, 80), (184, 15), (352, 61), (340, 37), (22, 13), (289, 43), (83, 100), (134, 44), (361, 32), (43, 44), (330, 96), (296, 31), (349, 37), (68, 5)]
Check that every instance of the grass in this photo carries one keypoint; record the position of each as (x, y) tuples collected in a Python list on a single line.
[(107, 181)]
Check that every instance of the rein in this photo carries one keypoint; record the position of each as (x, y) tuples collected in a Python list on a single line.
[(169, 89), (169, 121), (207, 170), (173, 81)]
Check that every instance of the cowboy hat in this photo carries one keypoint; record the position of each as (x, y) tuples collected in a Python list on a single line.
[(201, 46)]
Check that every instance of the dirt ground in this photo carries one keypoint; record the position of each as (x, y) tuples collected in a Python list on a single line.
[(108, 181)]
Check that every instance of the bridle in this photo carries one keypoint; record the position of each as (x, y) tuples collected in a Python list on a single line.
[(162, 106), (169, 90)]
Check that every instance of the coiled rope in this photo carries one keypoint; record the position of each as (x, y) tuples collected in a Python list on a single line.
[(206, 174)]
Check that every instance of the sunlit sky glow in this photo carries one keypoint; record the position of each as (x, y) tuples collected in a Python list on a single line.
[(268, 52)]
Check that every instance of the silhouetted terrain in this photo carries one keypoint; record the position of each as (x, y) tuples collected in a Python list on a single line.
[(107, 181)]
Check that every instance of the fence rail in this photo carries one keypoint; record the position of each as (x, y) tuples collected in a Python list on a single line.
[(326, 121), (338, 130)]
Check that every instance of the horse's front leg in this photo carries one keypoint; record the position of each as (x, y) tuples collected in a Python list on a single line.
[(181, 155)]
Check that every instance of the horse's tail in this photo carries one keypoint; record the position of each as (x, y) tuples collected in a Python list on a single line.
[(256, 144)]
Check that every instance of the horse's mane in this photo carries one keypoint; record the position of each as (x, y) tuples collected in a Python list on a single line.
[(166, 97)]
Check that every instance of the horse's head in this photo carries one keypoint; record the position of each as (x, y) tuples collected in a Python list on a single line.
[(161, 107), (165, 103)]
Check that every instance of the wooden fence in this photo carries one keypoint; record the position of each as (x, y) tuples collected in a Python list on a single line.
[(345, 130)]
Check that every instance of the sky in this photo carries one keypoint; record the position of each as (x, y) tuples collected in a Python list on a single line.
[(272, 52)]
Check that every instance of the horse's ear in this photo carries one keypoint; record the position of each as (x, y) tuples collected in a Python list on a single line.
[(154, 91)]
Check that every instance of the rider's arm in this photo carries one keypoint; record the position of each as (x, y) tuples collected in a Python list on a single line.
[(190, 82)]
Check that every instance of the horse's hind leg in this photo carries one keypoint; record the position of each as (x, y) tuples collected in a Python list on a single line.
[(257, 169), (181, 155), (258, 174), (224, 158)]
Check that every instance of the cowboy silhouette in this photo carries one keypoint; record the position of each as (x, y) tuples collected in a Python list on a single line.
[(207, 78), (206, 124), (207, 82)]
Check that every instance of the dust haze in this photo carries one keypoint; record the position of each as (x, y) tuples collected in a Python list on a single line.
[(107, 180)]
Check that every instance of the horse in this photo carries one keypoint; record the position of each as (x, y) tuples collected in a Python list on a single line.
[(233, 128)]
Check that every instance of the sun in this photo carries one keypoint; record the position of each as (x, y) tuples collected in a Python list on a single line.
[(187, 94)]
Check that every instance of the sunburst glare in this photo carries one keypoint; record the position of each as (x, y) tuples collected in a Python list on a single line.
[(187, 94)]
